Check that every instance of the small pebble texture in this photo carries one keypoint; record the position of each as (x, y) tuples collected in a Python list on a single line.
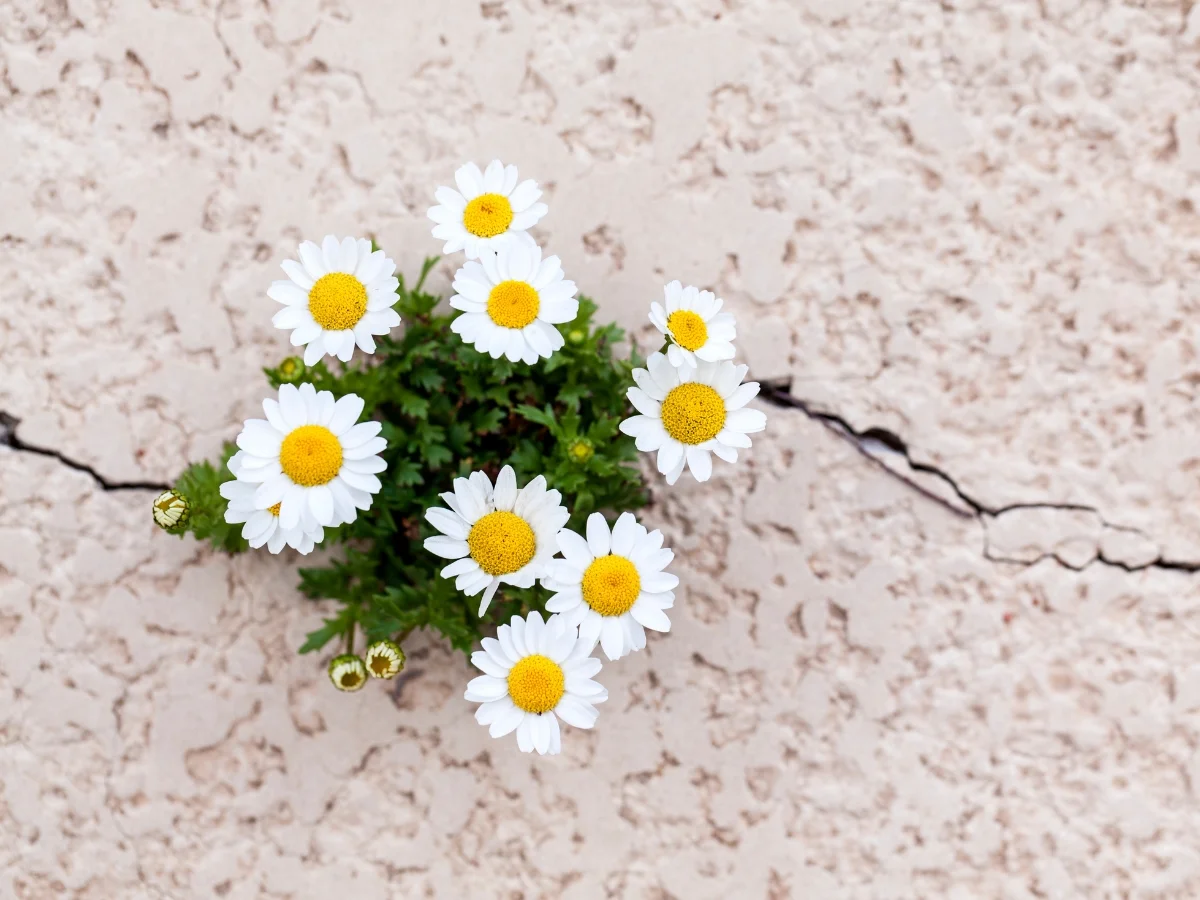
[(971, 670)]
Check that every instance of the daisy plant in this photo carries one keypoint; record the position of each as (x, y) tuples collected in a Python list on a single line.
[(463, 464), (370, 459)]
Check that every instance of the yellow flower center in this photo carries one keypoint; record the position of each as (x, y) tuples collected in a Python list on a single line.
[(274, 510), (693, 413), (501, 542), (513, 304), (337, 301), (488, 215), (688, 329), (350, 679), (536, 684), (611, 585), (311, 455)]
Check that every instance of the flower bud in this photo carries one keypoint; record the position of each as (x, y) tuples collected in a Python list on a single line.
[(384, 659), (172, 511), (347, 672)]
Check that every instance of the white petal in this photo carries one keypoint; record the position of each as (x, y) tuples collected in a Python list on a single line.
[(486, 688), (575, 549), (488, 595), (541, 733), (507, 721), (650, 616), (446, 547), (598, 535), (612, 637), (670, 455), (624, 534), (448, 523), (700, 462), (320, 500), (506, 489), (346, 413), (746, 421), (576, 712), (525, 734)]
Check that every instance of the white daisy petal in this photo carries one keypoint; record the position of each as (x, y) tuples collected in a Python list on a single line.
[(448, 523), (598, 535), (446, 547)]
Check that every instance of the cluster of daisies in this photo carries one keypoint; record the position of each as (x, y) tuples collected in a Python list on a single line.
[(310, 464)]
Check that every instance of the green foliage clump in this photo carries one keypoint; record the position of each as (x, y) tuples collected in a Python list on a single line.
[(448, 410)]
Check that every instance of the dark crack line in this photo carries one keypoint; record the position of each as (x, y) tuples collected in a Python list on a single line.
[(8, 438), (778, 392)]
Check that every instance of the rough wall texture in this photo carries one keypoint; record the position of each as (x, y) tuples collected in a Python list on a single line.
[(966, 225)]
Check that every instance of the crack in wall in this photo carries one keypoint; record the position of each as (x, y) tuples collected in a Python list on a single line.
[(778, 392), (8, 438)]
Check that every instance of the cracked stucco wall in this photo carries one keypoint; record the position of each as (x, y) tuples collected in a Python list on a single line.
[(939, 636)]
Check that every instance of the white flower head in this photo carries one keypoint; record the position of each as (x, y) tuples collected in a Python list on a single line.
[(336, 296), (693, 321), (498, 535), (262, 525), (310, 457), (612, 584), (536, 673), (688, 415), (489, 209), (511, 301)]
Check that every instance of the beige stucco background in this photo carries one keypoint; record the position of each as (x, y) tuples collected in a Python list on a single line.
[(968, 224)]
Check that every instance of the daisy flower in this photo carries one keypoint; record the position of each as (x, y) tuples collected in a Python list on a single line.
[(336, 296), (488, 210), (309, 457), (511, 301), (693, 322), (535, 673), (612, 585), (688, 414), (262, 525), (497, 536)]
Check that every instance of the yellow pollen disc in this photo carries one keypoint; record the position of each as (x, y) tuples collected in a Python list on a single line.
[(501, 542), (693, 413), (611, 585), (488, 215), (311, 455), (513, 304), (688, 329), (337, 301), (536, 684), (274, 510)]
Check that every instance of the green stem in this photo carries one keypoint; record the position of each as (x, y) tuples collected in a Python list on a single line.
[(350, 637)]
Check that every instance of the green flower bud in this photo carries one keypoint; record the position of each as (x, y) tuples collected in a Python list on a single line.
[(385, 659), (347, 672), (172, 511), (576, 335), (580, 450), (291, 370)]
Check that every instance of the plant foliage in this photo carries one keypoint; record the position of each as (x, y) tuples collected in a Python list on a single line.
[(448, 410)]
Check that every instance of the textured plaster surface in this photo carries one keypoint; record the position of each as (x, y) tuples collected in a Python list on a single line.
[(965, 229)]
